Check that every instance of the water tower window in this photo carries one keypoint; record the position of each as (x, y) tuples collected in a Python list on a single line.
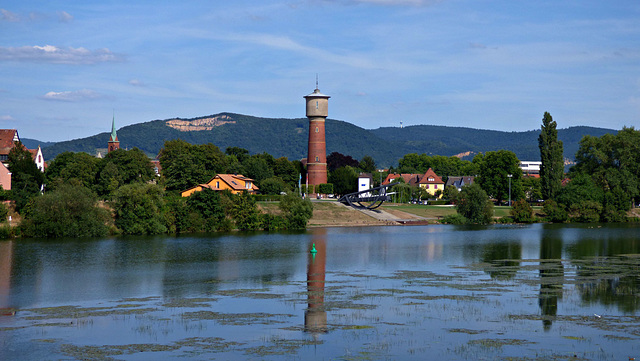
[(317, 130), (316, 104), (317, 159)]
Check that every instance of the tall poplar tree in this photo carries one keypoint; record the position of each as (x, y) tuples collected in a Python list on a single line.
[(551, 155)]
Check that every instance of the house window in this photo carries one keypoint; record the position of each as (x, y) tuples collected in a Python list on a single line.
[(427, 186), (248, 185), (218, 184), (431, 179)]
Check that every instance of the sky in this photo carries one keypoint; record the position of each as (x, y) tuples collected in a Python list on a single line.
[(67, 68)]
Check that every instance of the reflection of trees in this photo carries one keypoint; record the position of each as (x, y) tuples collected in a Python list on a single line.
[(6, 262), (504, 258), (551, 278), (315, 317), (604, 276)]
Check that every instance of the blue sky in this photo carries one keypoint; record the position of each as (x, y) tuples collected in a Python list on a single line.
[(67, 66)]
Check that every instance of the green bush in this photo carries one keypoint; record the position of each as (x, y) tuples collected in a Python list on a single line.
[(454, 219), (138, 209), (296, 211), (474, 204), (586, 211), (436, 203), (325, 188), (522, 212), (68, 211), (554, 212)]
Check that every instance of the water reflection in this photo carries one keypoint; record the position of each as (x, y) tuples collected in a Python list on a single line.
[(504, 258), (6, 262), (315, 316), (607, 280), (551, 277)]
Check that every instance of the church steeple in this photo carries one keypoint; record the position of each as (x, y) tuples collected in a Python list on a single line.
[(113, 139)]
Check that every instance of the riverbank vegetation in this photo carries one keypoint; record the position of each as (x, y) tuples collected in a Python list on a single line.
[(81, 195)]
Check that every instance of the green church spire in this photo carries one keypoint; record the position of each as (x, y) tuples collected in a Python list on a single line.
[(114, 136)]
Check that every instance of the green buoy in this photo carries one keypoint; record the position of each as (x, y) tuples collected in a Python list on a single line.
[(313, 249)]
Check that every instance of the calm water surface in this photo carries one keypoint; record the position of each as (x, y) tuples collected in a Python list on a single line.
[(372, 293)]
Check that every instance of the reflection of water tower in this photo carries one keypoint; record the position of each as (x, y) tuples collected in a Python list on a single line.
[(317, 112), (315, 317), (6, 263)]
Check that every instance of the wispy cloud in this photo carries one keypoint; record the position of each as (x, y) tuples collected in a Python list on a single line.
[(136, 82), (64, 17), (6, 118), (6, 15), (57, 55), (73, 96)]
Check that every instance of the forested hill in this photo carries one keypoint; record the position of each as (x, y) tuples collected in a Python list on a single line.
[(288, 138)]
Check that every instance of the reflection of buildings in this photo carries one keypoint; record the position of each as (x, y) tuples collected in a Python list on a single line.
[(315, 317), (551, 279)]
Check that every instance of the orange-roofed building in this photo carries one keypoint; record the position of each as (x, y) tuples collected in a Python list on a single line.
[(410, 179), (431, 182), (235, 183)]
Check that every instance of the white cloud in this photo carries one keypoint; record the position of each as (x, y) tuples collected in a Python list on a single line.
[(6, 118), (136, 82), (64, 17), (56, 55), (6, 15), (73, 96)]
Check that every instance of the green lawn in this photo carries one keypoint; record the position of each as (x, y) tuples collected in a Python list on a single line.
[(441, 211)]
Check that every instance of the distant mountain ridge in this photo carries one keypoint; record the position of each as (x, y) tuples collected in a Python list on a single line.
[(288, 138)]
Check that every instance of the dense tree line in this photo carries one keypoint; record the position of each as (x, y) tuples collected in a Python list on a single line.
[(120, 193)]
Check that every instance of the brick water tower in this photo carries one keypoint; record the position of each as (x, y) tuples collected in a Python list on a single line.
[(317, 111)]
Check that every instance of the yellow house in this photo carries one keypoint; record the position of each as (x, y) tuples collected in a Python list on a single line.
[(431, 182), (235, 183)]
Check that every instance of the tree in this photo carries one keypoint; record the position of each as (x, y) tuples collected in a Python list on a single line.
[(297, 211), (272, 185), (474, 204), (551, 155), (493, 178), (258, 169), (451, 194), (71, 210), (367, 164), (138, 209), (185, 165), (344, 180), (337, 160), (207, 203), (245, 212), (122, 167), (26, 178), (69, 165), (287, 171), (554, 212)]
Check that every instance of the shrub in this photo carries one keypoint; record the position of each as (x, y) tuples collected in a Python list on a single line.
[(296, 211), (325, 188), (522, 212), (453, 219), (555, 212), (474, 204), (68, 211), (138, 209), (586, 211)]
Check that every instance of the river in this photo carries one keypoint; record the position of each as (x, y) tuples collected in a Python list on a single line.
[(517, 292)]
